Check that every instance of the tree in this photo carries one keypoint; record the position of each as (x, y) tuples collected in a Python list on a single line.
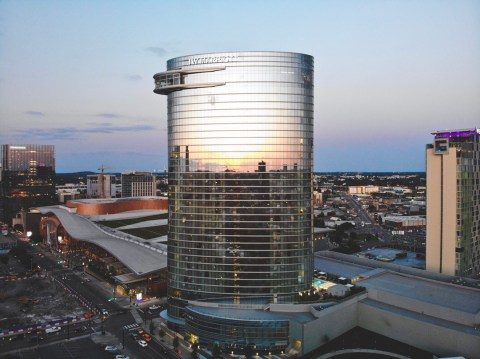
[(176, 342), (194, 351), (248, 352), (4, 259), (353, 246), (216, 351), (345, 226), (318, 222)]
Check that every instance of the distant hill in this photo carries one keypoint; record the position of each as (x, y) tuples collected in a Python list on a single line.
[(75, 174), (421, 174), (75, 177)]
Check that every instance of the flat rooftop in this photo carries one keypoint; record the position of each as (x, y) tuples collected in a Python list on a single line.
[(116, 200), (408, 289), (462, 299), (340, 268)]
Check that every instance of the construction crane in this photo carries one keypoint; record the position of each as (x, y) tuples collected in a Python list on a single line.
[(101, 181)]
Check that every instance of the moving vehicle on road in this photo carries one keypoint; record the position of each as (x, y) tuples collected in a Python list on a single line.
[(142, 343), (134, 335), (112, 349)]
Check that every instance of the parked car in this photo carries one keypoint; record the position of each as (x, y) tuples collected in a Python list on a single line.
[(81, 329), (153, 307), (147, 337), (52, 330), (134, 335), (121, 356)]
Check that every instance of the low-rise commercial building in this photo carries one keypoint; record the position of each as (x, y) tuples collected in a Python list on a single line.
[(363, 189), (97, 207), (404, 222)]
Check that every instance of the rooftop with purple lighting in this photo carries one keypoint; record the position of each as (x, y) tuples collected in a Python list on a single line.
[(457, 133)]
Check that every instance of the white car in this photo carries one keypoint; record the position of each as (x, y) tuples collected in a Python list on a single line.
[(53, 329), (121, 356), (153, 307), (142, 343), (111, 349)]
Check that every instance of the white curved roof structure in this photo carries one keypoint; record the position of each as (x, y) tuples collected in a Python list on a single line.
[(139, 257)]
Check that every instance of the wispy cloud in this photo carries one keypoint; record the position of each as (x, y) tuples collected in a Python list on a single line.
[(159, 51), (35, 113), (71, 133), (112, 129), (108, 115), (133, 77)]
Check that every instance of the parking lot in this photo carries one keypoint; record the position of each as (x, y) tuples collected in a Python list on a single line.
[(30, 296), (78, 348)]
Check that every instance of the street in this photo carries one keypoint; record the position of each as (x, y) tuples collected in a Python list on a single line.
[(85, 339)]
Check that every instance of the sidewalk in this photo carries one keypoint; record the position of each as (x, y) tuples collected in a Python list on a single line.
[(124, 302), (167, 341)]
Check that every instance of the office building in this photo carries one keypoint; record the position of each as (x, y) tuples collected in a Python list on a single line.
[(101, 186), (28, 177), (453, 203), (240, 139), (138, 184)]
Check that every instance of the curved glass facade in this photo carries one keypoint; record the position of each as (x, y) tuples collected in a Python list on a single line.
[(236, 334), (240, 145)]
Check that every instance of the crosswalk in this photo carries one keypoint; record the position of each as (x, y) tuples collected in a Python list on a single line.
[(130, 326)]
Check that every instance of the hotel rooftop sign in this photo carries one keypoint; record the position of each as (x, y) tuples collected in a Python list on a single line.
[(212, 59)]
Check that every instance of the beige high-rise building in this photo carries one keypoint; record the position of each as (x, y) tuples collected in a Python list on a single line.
[(101, 186), (453, 203)]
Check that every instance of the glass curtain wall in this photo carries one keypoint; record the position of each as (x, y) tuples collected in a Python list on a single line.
[(29, 170), (468, 203), (240, 145)]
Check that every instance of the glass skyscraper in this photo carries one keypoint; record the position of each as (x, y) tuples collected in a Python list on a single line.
[(240, 146), (29, 171), (27, 178)]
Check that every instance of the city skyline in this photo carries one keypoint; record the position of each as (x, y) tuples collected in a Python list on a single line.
[(388, 74)]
